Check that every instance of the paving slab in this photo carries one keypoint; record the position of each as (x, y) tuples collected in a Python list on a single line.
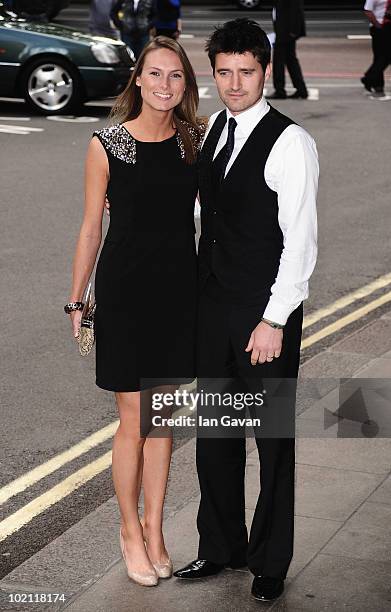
[(364, 455), (330, 493), (366, 535), (336, 583)]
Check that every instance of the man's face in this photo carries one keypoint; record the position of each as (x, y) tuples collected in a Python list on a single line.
[(239, 80)]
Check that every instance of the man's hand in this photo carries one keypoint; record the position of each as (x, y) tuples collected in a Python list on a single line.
[(265, 343), (107, 205)]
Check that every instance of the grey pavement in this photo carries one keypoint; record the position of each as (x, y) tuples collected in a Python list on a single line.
[(342, 553)]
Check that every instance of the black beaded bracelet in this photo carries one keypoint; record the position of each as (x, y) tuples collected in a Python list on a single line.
[(71, 306)]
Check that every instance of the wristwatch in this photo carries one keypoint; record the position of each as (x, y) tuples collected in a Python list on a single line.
[(273, 324), (71, 306)]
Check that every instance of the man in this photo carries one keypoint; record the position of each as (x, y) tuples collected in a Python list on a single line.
[(135, 20), (257, 250), (289, 26), (378, 13)]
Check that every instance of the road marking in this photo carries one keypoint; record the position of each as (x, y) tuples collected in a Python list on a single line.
[(358, 37), (186, 36), (350, 318), (203, 92), (346, 300), (384, 98), (21, 517), (21, 130), (41, 471), (15, 118), (313, 93), (72, 118)]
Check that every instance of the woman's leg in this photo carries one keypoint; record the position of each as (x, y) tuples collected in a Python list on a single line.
[(127, 465), (157, 457)]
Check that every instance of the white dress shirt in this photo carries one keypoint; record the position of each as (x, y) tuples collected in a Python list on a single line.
[(292, 171), (378, 8)]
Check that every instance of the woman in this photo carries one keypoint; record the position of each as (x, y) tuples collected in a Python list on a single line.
[(145, 283)]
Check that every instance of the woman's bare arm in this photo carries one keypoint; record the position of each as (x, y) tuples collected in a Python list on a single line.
[(90, 236)]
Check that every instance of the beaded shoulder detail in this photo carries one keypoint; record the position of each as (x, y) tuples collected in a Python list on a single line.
[(197, 136), (119, 142)]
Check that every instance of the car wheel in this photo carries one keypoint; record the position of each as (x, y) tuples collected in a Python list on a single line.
[(249, 4), (51, 86)]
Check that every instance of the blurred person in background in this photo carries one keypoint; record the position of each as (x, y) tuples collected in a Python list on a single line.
[(135, 20), (168, 22), (379, 16), (289, 26), (100, 23)]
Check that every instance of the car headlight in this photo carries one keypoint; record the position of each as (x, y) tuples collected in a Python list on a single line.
[(104, 54)]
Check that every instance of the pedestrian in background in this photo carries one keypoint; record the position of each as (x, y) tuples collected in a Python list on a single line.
[(168, 22), (135, 20), (289, 26), (100, 23), (379, 16)]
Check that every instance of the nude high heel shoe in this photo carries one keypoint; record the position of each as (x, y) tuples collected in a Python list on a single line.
[(143, 579), (163, 570)]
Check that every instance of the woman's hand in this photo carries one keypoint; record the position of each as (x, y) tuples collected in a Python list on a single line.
[(76, 320)]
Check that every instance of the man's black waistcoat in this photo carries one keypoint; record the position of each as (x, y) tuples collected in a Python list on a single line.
[(241, 241)]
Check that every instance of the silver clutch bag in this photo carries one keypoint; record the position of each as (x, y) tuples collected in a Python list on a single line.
[(86, 336)]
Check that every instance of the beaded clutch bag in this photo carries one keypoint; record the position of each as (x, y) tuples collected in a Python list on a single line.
[(86, 336)]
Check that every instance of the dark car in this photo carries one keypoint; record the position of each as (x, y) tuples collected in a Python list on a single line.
[(37, 8), (56, 69)]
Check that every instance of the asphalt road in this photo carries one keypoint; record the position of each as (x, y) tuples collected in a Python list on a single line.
[(49, 401)]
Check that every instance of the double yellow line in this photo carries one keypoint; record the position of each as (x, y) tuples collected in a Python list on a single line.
[(22, 517)]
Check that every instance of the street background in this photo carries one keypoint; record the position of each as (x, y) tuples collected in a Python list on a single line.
[(49, 401)]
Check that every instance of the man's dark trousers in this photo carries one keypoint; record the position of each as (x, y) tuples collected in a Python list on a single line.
[(285, 55), (224, 331), (381, 47), (289, 26)]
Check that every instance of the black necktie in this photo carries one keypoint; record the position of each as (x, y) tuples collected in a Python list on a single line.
[(221, 160)]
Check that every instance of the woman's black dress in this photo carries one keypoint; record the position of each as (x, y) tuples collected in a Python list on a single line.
[(145, 281)]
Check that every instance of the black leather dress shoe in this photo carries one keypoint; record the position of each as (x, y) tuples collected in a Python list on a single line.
[(277, 95), (265, 588), (366, 84), (200, 568), (299, 95)]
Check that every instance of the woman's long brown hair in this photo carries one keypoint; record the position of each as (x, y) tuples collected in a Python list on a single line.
[(129, 103)]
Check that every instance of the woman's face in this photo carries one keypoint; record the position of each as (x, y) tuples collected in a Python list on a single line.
[(162, 80)]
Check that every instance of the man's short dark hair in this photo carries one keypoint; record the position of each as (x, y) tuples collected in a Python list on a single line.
[(238, 36)]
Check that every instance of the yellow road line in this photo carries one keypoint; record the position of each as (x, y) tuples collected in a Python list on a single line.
[(20, 484), (346, 300), (21, 517), (353, 316)]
